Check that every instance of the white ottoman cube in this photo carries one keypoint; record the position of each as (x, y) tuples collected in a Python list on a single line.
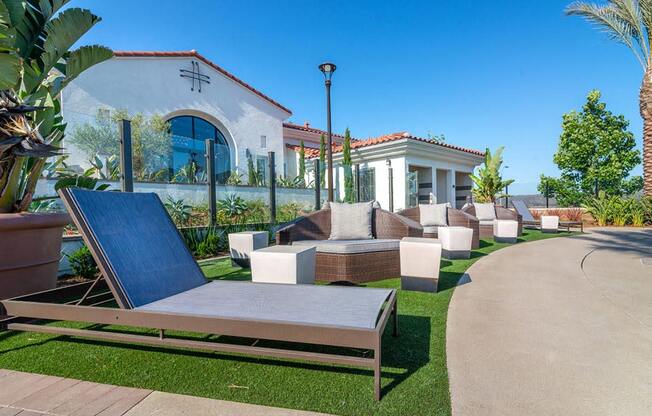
[(456, 242), (242, 244), (549, 223), (505, 231), (283, 264), (420, 258)]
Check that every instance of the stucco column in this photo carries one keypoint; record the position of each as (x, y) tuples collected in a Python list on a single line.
[(450, 187), (433, 180)]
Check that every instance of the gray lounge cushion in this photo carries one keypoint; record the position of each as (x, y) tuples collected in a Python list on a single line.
[(355, 307), (433, 214), (350, 246), (351, 221), (485, 212)]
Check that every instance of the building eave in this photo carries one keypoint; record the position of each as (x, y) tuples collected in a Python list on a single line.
[(198, 56)]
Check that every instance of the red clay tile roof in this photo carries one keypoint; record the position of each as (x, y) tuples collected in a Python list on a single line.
[(196, 55), (310, 151), (390, 138), (309, 129)]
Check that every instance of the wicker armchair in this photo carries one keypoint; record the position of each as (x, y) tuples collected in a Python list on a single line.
[(353, 267), (487, 231), (456, 218)]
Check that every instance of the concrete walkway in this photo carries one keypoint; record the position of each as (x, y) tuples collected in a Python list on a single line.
[(26, 394), (555, 327)]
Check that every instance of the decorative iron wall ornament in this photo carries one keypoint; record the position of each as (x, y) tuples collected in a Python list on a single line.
[(196, 76)]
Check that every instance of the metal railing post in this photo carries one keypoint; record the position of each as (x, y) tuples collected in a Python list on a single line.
[(357, 182), (391, 188), (126, 167), (272, 188), (317, 167), (212, 185)]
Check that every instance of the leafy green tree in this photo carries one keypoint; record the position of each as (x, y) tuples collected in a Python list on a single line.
[(595, 146), (562, 189), (346, 165), (322, 160), (630, 23), (488, 183), (151, 140), (302, 163), (252, 174)]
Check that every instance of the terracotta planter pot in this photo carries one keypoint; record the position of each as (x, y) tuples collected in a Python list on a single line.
[(30, 249)]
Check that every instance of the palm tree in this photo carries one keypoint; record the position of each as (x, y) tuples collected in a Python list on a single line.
[(629, 22)]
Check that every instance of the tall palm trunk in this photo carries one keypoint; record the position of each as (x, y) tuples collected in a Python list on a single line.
[(645, 98)]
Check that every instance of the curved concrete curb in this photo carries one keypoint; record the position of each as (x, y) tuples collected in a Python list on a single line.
[(534, 333)]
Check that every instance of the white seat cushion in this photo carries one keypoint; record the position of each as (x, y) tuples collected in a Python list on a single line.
[(487, 222), (350, 246), (485, 212)]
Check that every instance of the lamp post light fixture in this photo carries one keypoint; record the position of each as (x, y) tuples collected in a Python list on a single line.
[(390, 177), (506, 192), (328, 69)]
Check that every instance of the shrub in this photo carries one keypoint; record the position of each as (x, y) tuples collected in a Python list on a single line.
[(235, 178), (257, 211), (205, 242), (599, 208), (178, 210), (231, 209), (637, 212), (82, 263), (288, 212), (619, 211), (573, 214)]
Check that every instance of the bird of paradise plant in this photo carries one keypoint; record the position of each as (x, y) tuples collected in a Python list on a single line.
[(36, 63)]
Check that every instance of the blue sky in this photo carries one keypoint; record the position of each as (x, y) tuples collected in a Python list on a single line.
[(484, 73)]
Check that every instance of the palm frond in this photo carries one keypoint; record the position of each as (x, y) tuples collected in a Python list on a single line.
[(610, 19), (645, 7), (630, 12)]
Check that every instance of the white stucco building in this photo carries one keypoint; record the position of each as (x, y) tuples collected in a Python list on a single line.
[(201, 100)]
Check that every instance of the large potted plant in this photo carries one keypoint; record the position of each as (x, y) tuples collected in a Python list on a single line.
[(36, 63)]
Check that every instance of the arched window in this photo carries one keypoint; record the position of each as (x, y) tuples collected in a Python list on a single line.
[(188, 147)]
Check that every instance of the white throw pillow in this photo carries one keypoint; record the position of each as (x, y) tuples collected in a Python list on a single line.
[(351, 221), (485, 212), (433, 215)]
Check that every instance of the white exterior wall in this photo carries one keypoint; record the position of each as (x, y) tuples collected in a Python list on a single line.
[(153, 86), (403, 154)]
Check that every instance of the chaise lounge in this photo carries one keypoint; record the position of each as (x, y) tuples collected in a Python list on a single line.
[(352, 260), (149, 272), (530, 221), (487, 213), (454, 218)]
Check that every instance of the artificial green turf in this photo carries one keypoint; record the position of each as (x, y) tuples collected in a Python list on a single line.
[(415, 379)]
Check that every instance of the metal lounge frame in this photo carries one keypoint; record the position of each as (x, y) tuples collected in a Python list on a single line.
[(83, 304), (530, 222)]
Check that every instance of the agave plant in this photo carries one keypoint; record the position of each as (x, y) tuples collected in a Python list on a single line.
[(232, 208), (488, 182), (36, 63), (179, 211)]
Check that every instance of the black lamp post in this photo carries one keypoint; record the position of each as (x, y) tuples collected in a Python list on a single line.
[(327, 69)]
